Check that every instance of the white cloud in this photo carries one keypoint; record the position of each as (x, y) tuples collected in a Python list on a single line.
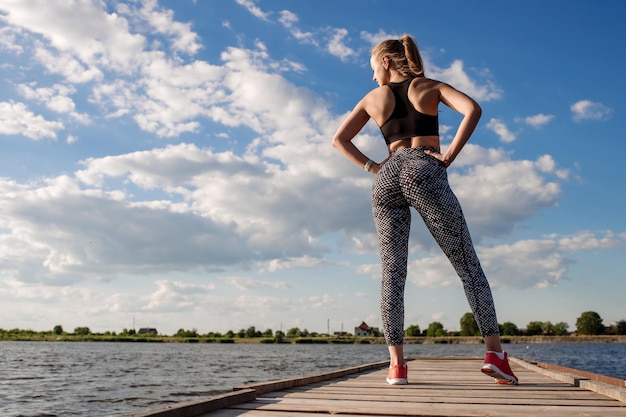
[(246, 283), (496, 196), (539, 120), (546, 163), (457, 76), (183, 39), (91, 233), (375, 38), (254, 9), (587, 240), (9, 40), (300, 262), (176, 295), (211, 228), (81, 29), (434, 271), (65, 64), (56, 98), (289, 20), (16, 119), (589, 110), (500, 129), (539, 263), (40, 294), (162, 94), (336, 45)]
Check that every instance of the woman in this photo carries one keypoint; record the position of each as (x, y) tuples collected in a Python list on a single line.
[(405, 107)]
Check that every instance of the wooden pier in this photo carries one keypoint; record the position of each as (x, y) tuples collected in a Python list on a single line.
[(438, 387)]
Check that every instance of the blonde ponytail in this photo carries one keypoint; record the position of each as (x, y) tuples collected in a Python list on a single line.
[(403, 54)]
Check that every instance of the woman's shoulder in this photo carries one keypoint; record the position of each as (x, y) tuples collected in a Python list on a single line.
[(430, 86), (378, 93), (378, 103), (426, 82)]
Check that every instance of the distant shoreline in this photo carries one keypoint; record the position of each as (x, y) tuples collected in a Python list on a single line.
[(529, 339), (317, 340)]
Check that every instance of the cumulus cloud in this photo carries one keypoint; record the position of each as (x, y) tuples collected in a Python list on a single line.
[(80, 29), (289, 20), (246, 283), (91, 233), (56, 98), (256, 11), (589, 110), (501, 129), (542, 263), (497, 196), (182, 38), (300, 262), (374, 38), (456, 75), (16, 119), (176, 295), (8, 40), (539, 120), (84, 44), (337, 46), (66, 65)]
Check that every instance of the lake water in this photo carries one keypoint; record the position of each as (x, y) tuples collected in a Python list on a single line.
[(59, 379)]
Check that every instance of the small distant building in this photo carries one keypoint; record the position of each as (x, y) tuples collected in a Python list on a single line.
[(148, 330), (364, 330)]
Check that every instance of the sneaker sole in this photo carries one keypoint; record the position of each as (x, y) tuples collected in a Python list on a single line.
[(397, 381), (500, 377)]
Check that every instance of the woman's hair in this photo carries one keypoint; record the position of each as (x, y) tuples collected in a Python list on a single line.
[(403, 54)]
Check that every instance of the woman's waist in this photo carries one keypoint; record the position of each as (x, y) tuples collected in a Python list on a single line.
[(428, 142)]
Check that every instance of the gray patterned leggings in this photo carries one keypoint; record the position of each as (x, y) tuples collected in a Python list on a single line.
[(411, 178)]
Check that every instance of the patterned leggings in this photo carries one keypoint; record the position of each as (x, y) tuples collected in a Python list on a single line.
[(411, 178)]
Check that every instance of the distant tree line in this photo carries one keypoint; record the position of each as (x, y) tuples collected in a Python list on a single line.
[(589, 323)]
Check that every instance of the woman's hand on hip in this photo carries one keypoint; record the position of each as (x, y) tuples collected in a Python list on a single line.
[(439, 156)]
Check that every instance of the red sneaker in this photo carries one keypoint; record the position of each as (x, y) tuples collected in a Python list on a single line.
[(499, 369), (398, 375)]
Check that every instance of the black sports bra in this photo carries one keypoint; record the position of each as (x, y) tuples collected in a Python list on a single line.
[(406, 122)]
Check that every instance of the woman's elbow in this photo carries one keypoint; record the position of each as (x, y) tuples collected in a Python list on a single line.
[(337, 142), (478, 111)]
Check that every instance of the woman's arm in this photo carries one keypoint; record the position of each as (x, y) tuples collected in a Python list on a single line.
[(471, 112), (350, 127)]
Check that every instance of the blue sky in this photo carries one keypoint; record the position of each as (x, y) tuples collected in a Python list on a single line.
[(169, 163)]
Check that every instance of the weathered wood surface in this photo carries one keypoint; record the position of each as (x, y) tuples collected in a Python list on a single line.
[(437, 387)]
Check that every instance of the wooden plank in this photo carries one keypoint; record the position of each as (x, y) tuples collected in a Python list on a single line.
[(621, 383), (425, 410), (605, 389), (263, 387), (460, 397), (608, 386), (438, 387), (199, 407)]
